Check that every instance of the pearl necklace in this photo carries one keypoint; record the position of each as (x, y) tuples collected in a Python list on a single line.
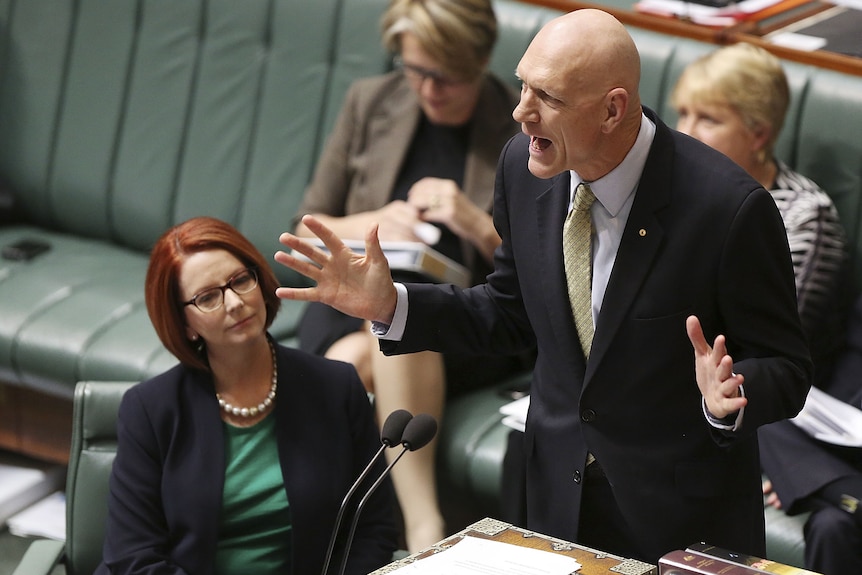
[(261, 407)]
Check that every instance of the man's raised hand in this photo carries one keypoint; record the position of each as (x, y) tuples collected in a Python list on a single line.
[(355, 284)]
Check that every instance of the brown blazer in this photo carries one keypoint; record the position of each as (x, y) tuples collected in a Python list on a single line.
[(371, 137)]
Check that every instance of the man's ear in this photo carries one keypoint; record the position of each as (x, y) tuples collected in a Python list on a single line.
[(616, 104)]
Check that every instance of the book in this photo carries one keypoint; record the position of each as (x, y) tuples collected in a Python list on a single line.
[(758, 564), (591, 561), (412, 258), (681, 562)]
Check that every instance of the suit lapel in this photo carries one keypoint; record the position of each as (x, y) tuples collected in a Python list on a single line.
[(642, 238)]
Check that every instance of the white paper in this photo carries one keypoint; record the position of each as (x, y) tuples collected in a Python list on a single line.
[(475, 556), (516, 413), (24, 481), (46, 518), (856, 4), (831, 420), (796, 41), (694, 10), (428, 233), (17, 479)]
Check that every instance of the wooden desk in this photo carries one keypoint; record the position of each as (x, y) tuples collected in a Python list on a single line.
[(594, 562), (743, 32)]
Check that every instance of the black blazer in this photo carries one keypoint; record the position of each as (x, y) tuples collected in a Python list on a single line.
[(167, 479), (702, 238)]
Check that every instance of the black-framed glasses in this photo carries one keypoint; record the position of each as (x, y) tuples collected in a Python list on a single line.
[(419, 74), (213, 298)]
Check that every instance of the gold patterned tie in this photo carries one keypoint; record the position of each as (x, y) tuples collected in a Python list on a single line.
[(578, 259)]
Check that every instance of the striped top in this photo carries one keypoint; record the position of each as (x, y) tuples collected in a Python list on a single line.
[(817, 243)]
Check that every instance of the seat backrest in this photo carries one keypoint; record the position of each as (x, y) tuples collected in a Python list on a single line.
[(94, 445)]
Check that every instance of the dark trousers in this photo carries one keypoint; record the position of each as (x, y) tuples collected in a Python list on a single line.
[(833, 542), (602, 526)]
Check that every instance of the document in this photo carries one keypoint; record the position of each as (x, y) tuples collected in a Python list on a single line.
[(702, 14), (475, 556), (24, 481), (413, 257), (515, 413), (47, 518), (831, 420)]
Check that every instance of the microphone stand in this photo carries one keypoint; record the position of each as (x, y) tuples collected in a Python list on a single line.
[(393, 428), (419, 432)]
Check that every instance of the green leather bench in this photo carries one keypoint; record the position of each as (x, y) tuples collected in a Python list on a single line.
[(122, 118)]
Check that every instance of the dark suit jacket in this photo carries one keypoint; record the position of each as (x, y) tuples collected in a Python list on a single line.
[(167, 480), (797, 464), (702, 238), (370, 140)]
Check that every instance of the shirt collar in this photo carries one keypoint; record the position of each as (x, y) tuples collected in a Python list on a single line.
[(612, 189)]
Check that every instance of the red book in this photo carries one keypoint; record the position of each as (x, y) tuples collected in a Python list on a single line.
[(758, 564), (681, 562)]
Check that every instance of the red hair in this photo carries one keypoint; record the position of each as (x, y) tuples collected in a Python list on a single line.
[(162, 292)]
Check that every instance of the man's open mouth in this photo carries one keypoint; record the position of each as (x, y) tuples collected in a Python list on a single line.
[(539, 144)]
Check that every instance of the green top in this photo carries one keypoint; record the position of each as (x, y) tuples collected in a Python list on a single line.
[(254, 526)]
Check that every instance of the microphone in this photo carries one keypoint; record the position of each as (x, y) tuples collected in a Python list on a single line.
[(390, 436), (417, 434)]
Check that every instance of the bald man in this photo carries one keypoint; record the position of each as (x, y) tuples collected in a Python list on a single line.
[(648, 444)]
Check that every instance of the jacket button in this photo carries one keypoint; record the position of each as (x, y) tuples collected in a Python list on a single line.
[(588, 415), (577, 477)]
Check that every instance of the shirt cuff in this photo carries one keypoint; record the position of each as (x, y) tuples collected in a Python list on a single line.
[(730, 423), (395, 331)]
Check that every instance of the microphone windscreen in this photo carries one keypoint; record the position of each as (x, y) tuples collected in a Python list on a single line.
[(419, 431), (394, 426)]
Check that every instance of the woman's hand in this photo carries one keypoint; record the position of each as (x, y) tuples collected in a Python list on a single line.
[(396, 222), (442, 202)]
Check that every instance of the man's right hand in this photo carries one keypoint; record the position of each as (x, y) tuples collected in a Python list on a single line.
[(357, 285)]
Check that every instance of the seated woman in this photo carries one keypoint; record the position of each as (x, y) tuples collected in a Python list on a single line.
[(237, 459), (735, 99), (417, 147)]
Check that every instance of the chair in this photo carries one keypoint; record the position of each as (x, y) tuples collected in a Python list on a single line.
[(94, 444)]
